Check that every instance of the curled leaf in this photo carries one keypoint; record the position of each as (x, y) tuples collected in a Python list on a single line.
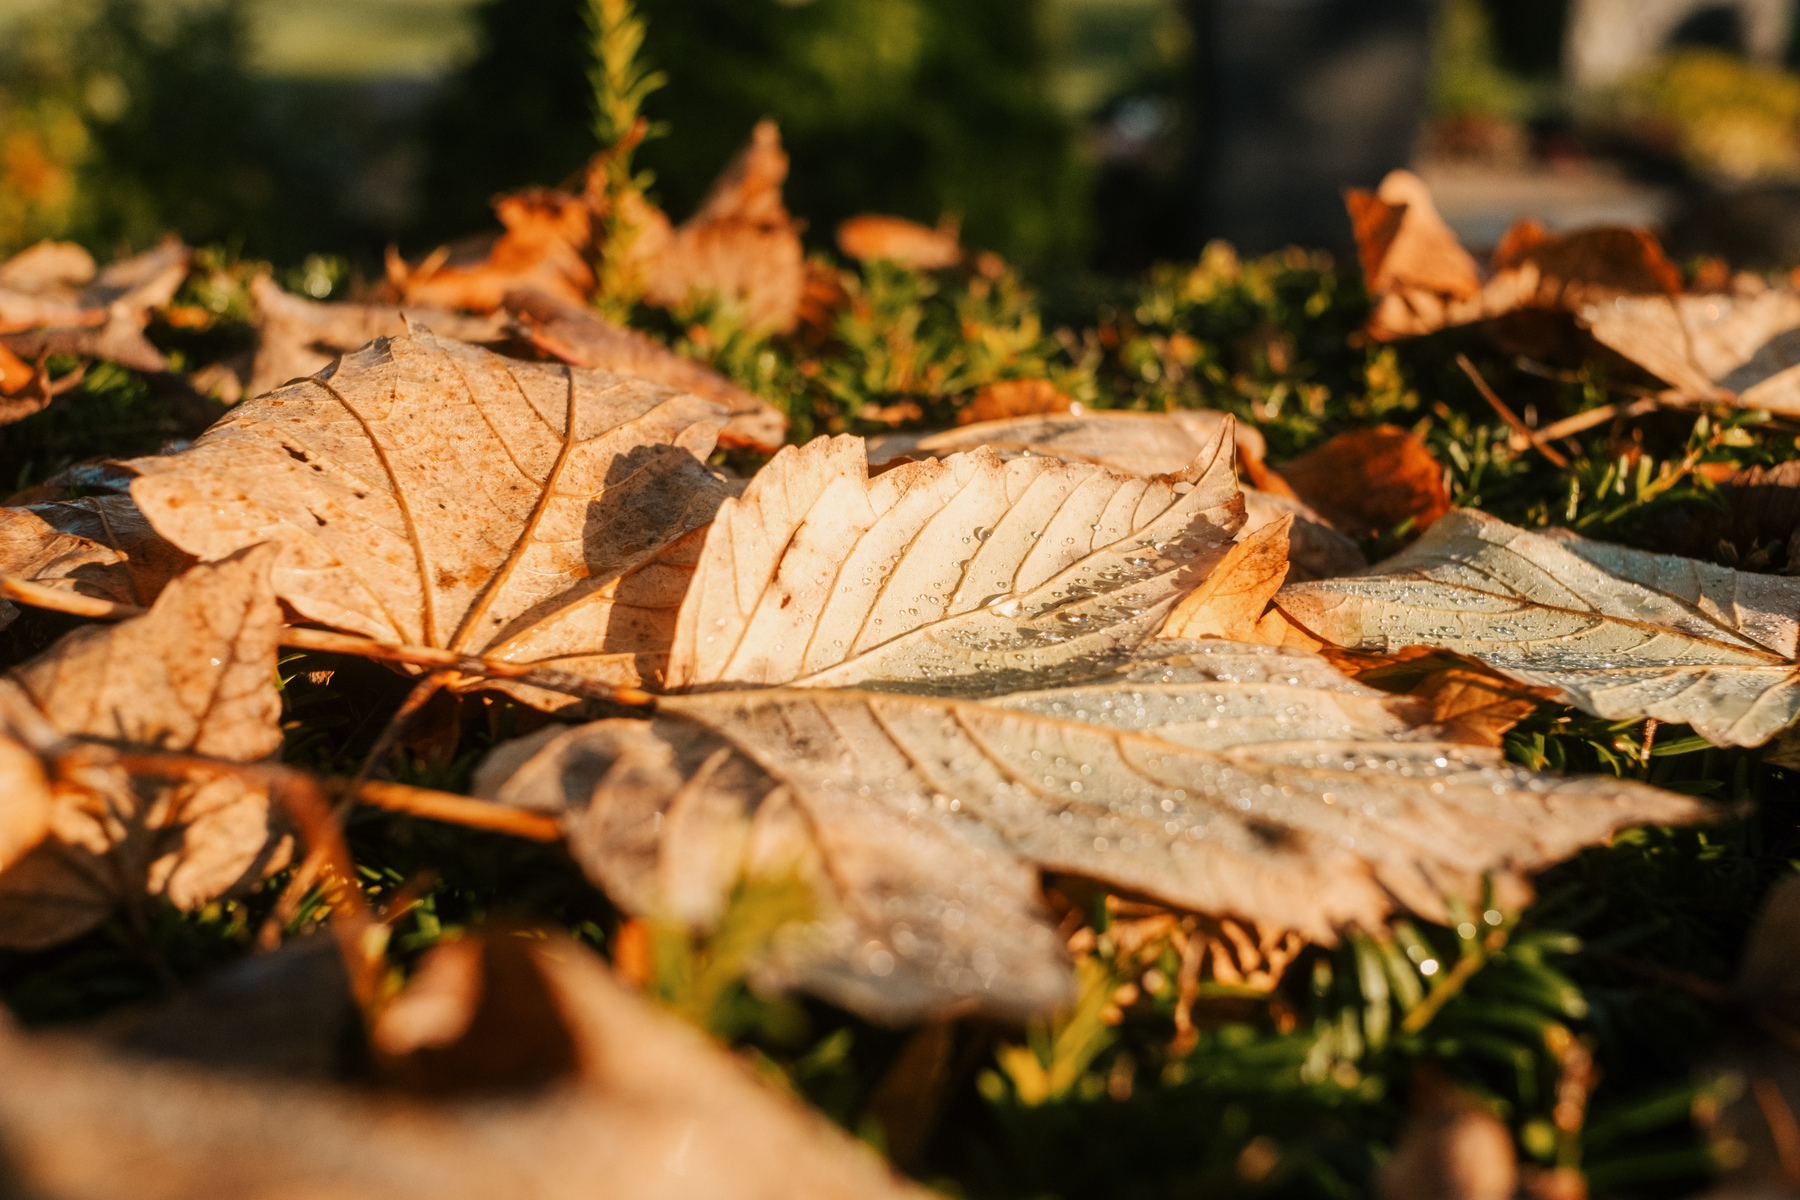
[(1621, 633)]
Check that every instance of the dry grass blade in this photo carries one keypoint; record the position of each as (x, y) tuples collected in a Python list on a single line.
[(1624, 634), (433, 494), (1524, 431)]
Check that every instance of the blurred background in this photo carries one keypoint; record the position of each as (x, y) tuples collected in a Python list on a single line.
[(1071, 136)]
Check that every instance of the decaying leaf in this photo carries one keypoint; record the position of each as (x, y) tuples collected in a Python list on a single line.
[(194, 675), (296, 337), (649, 1108), (741, 246), (1620, 633), (33, 550), (432, 493), (908, 243), (1149, 444), (967, 702), (1404, 244), (96, 546), (1368, 481), (578, 335), (548, 237), (962, 569)]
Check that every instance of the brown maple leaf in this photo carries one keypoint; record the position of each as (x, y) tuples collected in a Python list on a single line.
[(435, 494), (546, 245)]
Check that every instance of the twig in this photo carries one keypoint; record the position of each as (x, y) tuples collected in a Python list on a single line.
[(324, 640), (1569, 426), (457, 810), (1519, 427)]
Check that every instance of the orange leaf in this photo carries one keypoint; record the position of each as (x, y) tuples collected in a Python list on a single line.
[(1230, 603), (1014, 398), (873, 236), (1367, 481)]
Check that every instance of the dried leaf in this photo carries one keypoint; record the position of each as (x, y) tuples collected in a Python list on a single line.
[(33, 550), (194, 675), (1014, 398), (578, 335), (1404, 243), (25, 803), (548, 237), (296, 337), (1147, 444), (1621, 633), (1233, 779), (1232, 601), (655, 1111), (741, 246), (1368, 481), (146, 561), (1746, 345), (432, 493), (907, 243), (1757, 526), (963, 569), (1230, 779), (53, 284)]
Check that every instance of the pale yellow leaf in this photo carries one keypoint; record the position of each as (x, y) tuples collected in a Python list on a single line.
[(1231, 603)]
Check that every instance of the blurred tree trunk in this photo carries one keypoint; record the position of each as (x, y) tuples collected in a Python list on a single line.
[(1296, 100)]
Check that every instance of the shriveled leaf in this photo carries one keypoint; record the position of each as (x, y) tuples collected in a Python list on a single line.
[(194, 675), (911, 245), (653, 1111), (1368, 481), (956, 572), (741, 246), (578, 335), (1230, 779), (1148, 444), (548, 237), (296, 337), (1232, 601), (433, 493), (1621, 633)]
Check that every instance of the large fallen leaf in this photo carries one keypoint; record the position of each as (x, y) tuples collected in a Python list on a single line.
[(965, 569), (296, 337), (1236, 780), (196, 674), (578, 335), (964, 706), (652, 1110), (433, 493), (1621, 633), (1366, 482), (1149, 444), (741, 246), (546, 243)]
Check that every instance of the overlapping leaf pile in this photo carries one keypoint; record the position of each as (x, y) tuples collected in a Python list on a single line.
[(1042, 719)]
